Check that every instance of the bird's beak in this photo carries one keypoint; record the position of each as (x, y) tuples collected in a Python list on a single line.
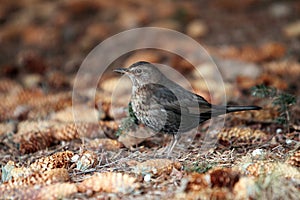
[(121, 70)]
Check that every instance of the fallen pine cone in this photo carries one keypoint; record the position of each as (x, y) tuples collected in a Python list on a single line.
[(57, 160), (104, 143), (294, 160), (34, 141), (156, 167), (37, 178), (109, 182), (264, 168), (49, 192), (241, 135)]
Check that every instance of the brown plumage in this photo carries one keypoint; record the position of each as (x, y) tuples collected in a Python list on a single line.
[(165, 106)]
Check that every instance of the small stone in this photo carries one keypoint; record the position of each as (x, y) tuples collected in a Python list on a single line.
[(75, 158), (147, 177), (257, 152), (288, 141), (278, 131)]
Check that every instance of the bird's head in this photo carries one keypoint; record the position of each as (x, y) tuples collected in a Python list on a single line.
[(141, 73)]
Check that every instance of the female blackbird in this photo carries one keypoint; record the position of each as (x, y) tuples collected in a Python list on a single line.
[(165, 106)]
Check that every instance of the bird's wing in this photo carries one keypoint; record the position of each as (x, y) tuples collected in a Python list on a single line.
[(176, 106), (178, 100)]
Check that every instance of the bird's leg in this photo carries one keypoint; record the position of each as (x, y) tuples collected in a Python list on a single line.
[(169, 148), (175, 139)]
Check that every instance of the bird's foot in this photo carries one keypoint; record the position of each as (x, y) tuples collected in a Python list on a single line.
[(162, 152), (167, 151)]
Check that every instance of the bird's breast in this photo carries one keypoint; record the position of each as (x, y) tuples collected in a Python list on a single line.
[(147, 110), (140, 102)]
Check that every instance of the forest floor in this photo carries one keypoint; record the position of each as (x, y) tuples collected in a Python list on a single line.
[(53, 147)]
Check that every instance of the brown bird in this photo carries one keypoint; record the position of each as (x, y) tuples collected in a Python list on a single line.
[(165, 106)]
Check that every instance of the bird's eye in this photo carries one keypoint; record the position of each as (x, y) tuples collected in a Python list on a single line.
[(138, 71)]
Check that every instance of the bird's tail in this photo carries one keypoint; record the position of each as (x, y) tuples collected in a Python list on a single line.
[(230, 109), (220, 110)]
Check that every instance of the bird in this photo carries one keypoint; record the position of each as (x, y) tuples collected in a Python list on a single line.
[(164, 106)]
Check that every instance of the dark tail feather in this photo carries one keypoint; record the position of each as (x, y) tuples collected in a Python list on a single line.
[(241, 108), (221, 110)]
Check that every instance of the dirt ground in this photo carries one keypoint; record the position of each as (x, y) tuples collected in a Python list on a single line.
[(48, 152)]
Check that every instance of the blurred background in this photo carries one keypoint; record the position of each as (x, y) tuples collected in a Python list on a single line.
[(43, 43), (59, 34)]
